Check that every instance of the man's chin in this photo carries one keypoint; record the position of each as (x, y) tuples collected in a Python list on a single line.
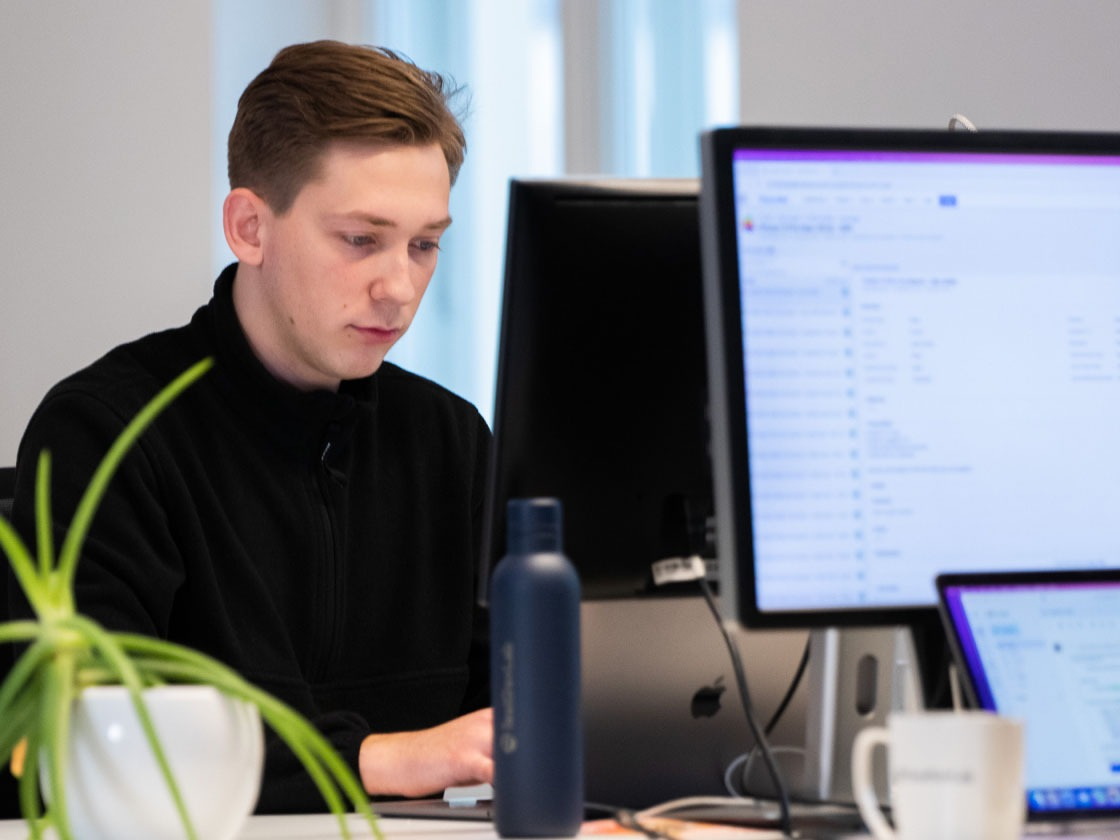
[(364, 369)]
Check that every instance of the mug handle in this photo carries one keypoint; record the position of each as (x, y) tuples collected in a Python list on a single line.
[(862, 788)]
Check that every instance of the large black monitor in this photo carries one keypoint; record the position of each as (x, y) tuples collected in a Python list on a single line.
[(602, 402), (915, 362), (601, 396)]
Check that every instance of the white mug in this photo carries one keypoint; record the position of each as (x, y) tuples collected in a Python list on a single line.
[(952, 774)]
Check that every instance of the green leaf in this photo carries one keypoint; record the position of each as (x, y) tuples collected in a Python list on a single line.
[(22, 676), (19, 631), (29, 785), (19, 558), (44, 534), (68, 651), (58, 691), (18, 719)]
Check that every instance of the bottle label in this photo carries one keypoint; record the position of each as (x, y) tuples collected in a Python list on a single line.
[(507, 734)]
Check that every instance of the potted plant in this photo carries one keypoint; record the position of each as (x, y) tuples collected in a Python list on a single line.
[(67, 655)]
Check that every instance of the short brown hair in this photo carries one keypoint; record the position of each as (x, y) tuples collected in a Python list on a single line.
[(316, 93)]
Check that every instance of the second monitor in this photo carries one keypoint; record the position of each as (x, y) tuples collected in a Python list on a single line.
[(602, 402), (602, 390)]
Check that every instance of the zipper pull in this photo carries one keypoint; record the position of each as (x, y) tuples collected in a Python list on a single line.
[(337, 475)]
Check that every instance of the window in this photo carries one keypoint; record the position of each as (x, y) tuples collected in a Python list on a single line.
[(614, 87)]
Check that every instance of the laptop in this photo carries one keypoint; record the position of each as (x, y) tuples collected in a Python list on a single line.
[(1044, 647), (662, 718)]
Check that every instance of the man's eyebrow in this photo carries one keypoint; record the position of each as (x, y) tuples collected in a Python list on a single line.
[(380, 221)]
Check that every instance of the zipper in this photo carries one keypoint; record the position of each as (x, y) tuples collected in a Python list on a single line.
[(330, 623)]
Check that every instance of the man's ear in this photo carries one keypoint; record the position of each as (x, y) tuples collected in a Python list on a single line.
[(242, 216)]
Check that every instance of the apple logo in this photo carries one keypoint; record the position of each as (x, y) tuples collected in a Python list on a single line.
[(706, 700)]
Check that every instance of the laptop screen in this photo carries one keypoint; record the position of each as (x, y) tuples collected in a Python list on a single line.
[(1045, 648)]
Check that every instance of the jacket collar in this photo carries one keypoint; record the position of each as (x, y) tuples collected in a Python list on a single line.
[(292, 419)]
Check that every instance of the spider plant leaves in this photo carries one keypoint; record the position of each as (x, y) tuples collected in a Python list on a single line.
[(66, 651)]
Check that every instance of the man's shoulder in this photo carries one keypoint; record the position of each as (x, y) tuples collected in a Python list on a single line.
[(126, 377), (397, 383), (413, 406), (78, 419)]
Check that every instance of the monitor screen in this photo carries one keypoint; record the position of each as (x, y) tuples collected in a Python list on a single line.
[(601, 394), (1042, 647), (915, 362)]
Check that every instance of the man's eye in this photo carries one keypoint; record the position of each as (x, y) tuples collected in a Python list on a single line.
[(358, 240)]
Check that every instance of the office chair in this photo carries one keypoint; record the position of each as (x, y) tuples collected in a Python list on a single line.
[(7, 490)]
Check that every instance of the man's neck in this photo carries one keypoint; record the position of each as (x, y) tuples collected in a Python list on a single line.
[(252, 314)]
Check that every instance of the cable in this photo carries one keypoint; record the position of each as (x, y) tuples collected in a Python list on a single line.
[(745, 760), (680, 569), (687, 802), (794, 683), (631, 819), (729, 775), (961, 121), (750, 756), (759, 737)]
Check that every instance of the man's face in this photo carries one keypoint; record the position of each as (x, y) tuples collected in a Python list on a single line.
[(343, 271)]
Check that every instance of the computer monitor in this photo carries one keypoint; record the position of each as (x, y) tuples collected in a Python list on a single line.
[(914, 357), (601, 401), (601, 396)]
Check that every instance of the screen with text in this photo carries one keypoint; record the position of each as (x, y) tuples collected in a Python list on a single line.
[(1049, 655), (931, 347)]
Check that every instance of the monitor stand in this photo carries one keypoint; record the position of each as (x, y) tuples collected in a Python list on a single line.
[(856, 677)]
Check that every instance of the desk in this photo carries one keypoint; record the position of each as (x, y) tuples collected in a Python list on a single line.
[(325, 827)]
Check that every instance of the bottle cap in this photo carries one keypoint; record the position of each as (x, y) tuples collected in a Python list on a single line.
[(534, 526)]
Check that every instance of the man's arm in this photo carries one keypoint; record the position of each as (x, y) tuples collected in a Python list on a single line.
[(459, 752)]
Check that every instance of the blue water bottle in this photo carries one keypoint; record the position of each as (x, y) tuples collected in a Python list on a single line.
[(535, 678)]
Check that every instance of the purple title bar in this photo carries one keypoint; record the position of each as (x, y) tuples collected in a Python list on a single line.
[(877, 155)]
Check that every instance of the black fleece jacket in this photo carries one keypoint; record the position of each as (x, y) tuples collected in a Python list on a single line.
[(322, 544)]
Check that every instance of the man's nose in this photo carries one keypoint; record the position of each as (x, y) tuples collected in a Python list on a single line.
[(393, 282)]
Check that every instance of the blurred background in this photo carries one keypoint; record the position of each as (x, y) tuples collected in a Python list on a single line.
[(114, 116)]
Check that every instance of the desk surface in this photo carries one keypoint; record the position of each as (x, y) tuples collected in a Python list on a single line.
[(325, 827)]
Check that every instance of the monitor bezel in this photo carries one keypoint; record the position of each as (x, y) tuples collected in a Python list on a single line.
[(725, 360)]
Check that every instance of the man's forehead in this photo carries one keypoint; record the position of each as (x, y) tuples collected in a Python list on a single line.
[(344, 150), (376, 183)]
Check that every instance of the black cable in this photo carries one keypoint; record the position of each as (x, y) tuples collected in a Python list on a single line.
[(794, 683), (761, 741), (627, 818)]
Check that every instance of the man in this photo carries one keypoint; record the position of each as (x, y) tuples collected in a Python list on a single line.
[(306, 512)]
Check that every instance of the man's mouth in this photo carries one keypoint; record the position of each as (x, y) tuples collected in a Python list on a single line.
[(379, 335)]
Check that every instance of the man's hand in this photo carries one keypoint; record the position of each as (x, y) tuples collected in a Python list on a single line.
[(459, 752)]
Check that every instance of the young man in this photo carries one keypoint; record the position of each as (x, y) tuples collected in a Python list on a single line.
[(306, 512)]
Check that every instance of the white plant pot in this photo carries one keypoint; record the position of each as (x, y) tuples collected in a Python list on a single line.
[(114, 788)]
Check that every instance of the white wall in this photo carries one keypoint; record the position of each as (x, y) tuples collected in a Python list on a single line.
[(1050, 64), (106, 213), (104, 184)]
